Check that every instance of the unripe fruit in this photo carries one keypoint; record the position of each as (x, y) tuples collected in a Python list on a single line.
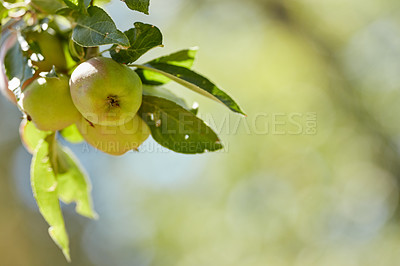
[(47, 101), (115, 140), (51, 49), (106, 92)]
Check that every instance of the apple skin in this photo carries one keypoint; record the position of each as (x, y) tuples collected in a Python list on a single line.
[(115, 140), (105, 92), (47, 102), (52, 50)]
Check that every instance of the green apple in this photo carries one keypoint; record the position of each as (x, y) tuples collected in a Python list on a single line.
[(51, 49), (105, 92), (47, 102), (115, 140)]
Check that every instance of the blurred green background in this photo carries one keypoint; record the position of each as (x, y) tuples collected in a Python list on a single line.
[(310, 177)]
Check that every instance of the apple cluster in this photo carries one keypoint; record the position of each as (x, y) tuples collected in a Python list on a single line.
[(102, 98)]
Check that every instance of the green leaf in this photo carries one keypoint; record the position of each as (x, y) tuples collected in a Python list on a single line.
[(76, 51), (166, 94), (142, 38), (184, 58), (17, 69), (177, 129), (44, 187), (152, 78), (193, 81), (73, 183), (101, 2), (79, 5), (72, 134), (139, 5), (47, 6), (31, 136), (97, 28), (67, 12)]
